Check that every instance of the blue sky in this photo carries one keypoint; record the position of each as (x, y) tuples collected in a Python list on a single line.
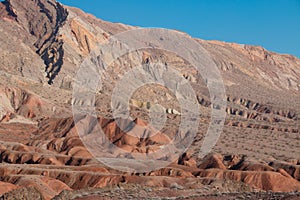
[(273, 24)]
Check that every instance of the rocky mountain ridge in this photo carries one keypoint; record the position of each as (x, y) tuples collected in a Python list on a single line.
[(43, 44)]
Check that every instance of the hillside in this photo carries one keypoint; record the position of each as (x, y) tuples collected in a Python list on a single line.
[(51, 120)]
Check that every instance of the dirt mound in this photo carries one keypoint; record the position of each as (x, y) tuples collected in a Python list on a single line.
[(26, 193), (268, 181)]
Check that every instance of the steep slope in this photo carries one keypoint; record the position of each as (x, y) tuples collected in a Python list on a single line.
[(43, 45)]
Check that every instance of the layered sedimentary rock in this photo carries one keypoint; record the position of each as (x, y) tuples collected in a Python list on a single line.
[(43, 153)]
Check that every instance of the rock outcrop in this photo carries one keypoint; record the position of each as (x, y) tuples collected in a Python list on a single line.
[(44, 152)]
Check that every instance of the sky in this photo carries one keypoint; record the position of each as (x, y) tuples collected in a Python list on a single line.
[(273, 24)]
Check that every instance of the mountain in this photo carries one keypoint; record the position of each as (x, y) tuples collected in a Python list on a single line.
[(48, 147)]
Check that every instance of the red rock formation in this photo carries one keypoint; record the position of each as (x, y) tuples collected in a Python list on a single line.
[(268, 181), (43, 43), (6, 187)]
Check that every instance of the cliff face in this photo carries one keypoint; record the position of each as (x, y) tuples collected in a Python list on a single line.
[(57, 36), (62, 36), (43, 44)]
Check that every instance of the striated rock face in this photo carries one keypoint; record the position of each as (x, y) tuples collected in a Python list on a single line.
[(268, 181), (43, 154), (70, 164), (257, 174), (43, 19), (19, 105), (61, 136), (48, 187), (6, 187), (215, 161)]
